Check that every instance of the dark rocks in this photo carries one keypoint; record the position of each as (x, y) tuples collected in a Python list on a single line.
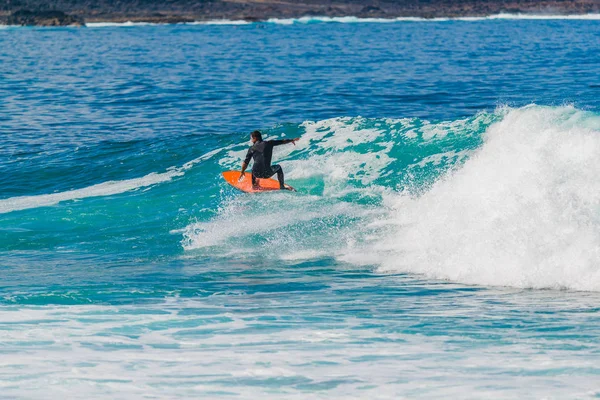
[(370, 9), (159, 18), (43, 18)]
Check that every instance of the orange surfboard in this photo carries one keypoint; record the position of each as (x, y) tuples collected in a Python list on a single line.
[(245, 185)]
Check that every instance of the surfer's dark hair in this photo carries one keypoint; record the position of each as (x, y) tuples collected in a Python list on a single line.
[(257, 135)]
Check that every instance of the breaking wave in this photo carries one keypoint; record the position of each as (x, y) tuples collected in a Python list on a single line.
[(507, 198)]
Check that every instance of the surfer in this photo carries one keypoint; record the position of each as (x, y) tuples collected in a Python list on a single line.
[(262, 151)]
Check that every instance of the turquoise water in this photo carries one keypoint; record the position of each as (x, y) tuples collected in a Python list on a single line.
[(443, 242)]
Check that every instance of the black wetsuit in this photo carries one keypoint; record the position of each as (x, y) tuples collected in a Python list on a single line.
[(262, 152)]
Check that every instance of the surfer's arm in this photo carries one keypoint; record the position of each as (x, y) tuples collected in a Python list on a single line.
[(246, 162), (283, 141), (244, 166)]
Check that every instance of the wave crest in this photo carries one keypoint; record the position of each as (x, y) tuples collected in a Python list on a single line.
[(507, 198)]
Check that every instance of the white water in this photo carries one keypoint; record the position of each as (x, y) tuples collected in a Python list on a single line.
[(523, 211), (261, 347)]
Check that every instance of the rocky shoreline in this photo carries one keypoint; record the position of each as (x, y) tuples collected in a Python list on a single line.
[(78, 12), (42, 18)]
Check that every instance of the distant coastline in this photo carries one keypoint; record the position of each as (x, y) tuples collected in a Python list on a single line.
[(82, 12), (350, 20)]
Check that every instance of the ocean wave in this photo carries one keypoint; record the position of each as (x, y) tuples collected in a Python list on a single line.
[(342, 166), (523, 210), (102, 189), (509, 198), (108, 188)]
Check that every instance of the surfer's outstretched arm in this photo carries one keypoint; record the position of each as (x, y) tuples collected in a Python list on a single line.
[(284, 141)]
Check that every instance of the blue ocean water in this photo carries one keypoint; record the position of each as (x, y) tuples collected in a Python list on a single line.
[(444, 241)]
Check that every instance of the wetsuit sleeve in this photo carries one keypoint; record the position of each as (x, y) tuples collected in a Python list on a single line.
[(279, 142), (249, 155)]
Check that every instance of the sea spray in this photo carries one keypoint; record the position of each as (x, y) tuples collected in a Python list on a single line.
[(523, 211)]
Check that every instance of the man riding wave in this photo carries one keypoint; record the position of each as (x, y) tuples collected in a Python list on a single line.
[(262, 152)]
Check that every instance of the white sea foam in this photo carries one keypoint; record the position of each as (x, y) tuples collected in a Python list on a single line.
[(259, 346), (275, 222), (523, 211), (118, 24)]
